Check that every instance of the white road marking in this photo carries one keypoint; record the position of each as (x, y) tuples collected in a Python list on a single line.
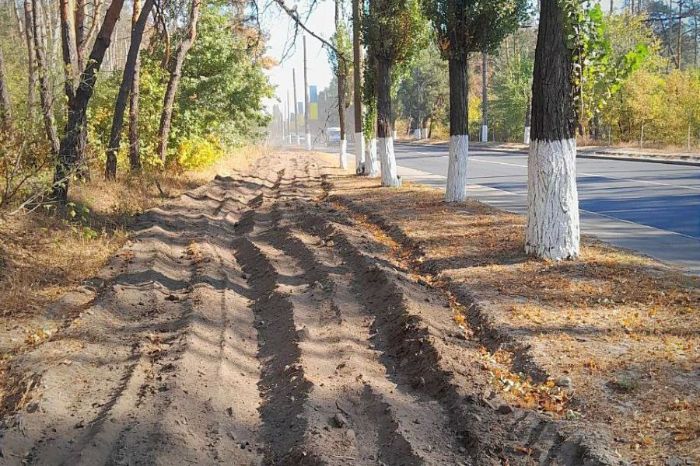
[(657, 183)]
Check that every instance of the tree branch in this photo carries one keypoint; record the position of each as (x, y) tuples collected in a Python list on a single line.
[(294, 14)]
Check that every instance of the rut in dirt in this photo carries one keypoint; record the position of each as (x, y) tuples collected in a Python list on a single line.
[(251, 322)]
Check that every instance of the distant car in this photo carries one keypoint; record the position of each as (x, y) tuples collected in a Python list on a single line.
[(333, 135)]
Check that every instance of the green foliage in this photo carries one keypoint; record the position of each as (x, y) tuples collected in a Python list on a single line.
[(198, 152), (222, 86), (219, 102), (465, 26), (511, 91), (424, 91), (342, 42), (394, 30)]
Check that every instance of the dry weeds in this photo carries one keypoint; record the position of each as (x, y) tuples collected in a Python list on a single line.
[(615, 333)]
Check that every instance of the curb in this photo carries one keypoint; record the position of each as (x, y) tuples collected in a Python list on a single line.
[(638, 158), (689, 161)]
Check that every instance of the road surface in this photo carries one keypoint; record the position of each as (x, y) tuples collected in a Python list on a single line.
[(648, 207)]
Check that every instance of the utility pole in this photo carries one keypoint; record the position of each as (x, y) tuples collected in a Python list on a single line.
[(357, 91), (484, 98), (306, 102), (296, 116), (288, 119)]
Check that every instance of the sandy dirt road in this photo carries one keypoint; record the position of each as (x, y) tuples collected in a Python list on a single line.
[(251, 322)]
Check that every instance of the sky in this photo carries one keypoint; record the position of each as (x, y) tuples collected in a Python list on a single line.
[(321, 20), (281, 31)]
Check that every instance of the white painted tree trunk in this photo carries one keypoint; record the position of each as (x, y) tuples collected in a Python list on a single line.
[(553, 230), (343, 154), (424, 133), (372, 160), (360, 166), (394, 135), (308, 141), (484, 133), (526, 136), (388, 162), (456, 190)]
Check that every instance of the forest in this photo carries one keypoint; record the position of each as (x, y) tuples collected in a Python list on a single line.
[(123, 94), (640, 88)]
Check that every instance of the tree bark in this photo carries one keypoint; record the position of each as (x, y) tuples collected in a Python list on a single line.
[(134, 98), (125, 89), (29, 39), (456, 189), (44, 89), (79, 22), (77, 108), (553, 217), (175, 75), (5, 104), (342, 76), (385, 140), (484, 97), (68, 48), (357, 91)]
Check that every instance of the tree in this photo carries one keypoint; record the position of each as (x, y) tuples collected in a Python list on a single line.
[(43, 73), (174, 81), (341, 69), (394, 31), (552, 214), (31, 70), (134, 98), (463, 27), (125, 88), (357, 87), (511, 91), (5, 105), (369, 122), (77, 107), (424, 92)]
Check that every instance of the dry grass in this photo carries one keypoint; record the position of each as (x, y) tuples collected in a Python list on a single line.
[(622, 328), (43, 255)]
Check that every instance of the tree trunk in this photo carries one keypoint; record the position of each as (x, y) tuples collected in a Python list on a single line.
[(357, 91), (484, 97), (44, 89), (342, 76), (68, 48), (5, 105), (528, 114), (456, 189), (385, 140), (341, 116), (18, 17), (79, 22), (134, 146), (175, 75), (125, 88), (29, 38), (680, 35), (77, 108), (553, 217)]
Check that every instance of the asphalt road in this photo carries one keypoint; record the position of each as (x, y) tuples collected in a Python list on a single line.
[(649, 207), (652, 208)]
